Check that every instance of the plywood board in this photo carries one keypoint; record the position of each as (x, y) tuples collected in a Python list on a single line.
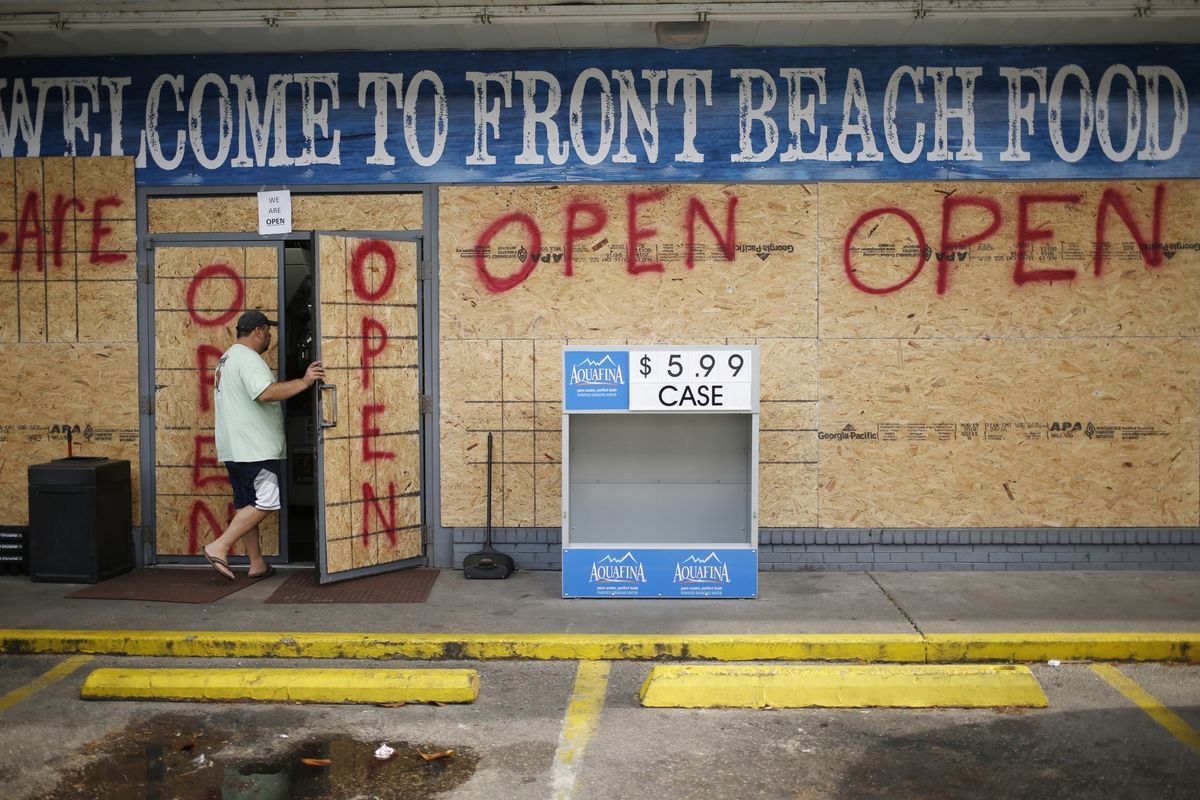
[(9, 314), (198, 294), (787, 495), (321, 212), (50, 388), (878, 230), (506, 312), (189, 520), (68, 317), (69, 236), (768, 289), (372, 457), (1009, 433), (111, 179)]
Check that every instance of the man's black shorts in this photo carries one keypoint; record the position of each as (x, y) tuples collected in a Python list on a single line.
[(255, 483)]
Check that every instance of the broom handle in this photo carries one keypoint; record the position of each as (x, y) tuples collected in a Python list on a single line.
[(489, 490)]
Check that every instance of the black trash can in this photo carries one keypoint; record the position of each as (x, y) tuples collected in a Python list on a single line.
[(80, 519)]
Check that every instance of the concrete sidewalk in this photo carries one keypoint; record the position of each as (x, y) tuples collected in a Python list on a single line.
[(947, 615)]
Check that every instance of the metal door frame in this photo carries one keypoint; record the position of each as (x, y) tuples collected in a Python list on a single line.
[(147, 389), (418, 238), (438, 542)]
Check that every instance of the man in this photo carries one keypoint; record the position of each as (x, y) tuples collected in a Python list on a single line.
[(250, 437)]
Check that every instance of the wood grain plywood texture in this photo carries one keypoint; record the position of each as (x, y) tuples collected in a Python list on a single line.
[(982, 368), (179, 514), (1009, 433), (767, 290), (369, 327), (335, 355), (45, 261), (1150, 291), (49, 387), (68, 317), (470, 407), (68, 234), (198, 294), (321, 212), (501, 348)]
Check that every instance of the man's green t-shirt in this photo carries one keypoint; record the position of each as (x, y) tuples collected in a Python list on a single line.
[(247, 430)]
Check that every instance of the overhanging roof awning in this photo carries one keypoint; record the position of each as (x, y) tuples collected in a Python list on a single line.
[(70, 27)]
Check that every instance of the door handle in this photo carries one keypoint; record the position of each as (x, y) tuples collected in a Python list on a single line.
[(332, 423)]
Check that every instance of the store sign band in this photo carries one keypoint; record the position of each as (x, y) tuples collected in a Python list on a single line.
[(868, 114)]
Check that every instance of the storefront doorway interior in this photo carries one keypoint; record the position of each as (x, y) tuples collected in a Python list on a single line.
[(300, 426)]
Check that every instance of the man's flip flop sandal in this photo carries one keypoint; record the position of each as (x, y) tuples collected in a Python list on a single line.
[(268, 572), (220, 565)]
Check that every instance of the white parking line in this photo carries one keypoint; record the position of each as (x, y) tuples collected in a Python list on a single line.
[(583, 714)]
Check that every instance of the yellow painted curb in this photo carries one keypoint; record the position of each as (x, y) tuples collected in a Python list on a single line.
[(842, 686), (285, 685), (572, 647), (871, 648), (981, 647)]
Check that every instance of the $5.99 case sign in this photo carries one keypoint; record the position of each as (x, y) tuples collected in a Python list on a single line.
[(685, 378)]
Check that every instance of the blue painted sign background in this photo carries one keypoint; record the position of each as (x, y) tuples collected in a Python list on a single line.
[(739, 115), (634, 572), (596, 380)]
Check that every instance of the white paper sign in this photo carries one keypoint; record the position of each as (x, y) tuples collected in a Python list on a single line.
[(275, 212), (690, 380)]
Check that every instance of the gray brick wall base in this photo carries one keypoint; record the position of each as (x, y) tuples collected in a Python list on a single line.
[(860, 549)]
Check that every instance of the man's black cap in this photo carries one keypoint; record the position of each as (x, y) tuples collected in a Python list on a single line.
[(253, 319)]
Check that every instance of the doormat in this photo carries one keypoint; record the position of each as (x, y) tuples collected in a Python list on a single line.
[(404, 586), (164, 586)]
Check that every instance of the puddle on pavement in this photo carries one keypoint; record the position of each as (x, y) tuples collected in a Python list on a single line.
[(178, 757)]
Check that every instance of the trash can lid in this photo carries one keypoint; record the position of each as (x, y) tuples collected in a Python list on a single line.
[(79, 471)]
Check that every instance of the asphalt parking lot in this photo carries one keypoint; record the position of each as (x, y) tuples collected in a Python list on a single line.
[(576, 730)]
